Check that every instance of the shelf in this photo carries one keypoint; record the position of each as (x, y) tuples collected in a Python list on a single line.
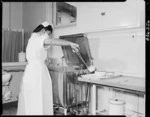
[(64, 25), (8, 64), (128, 113)]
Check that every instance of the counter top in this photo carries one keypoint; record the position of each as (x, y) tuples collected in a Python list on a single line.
[(124, 82), (14, 66)]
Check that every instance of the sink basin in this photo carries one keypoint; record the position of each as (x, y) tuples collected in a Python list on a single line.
[(6, 78)]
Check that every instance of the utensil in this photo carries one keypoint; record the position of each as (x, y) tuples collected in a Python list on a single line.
[(90, 68)]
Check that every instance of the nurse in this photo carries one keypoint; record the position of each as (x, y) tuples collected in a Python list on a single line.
[(36, 96)]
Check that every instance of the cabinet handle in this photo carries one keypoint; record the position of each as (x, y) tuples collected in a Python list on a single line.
[(103, 13)]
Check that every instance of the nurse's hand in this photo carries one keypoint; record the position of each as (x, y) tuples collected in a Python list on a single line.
[(75, 47)]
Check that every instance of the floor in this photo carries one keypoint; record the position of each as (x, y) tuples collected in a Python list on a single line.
[(9, 109)]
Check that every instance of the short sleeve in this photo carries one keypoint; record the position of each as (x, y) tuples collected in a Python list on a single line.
[(41, 42)]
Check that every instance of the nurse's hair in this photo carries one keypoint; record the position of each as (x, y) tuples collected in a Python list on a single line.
[(40, 27)]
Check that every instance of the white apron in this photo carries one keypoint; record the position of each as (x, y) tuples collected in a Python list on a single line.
[(36, 96)]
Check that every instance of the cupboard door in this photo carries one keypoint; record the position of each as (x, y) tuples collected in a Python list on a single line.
[(89, 18), (131, 102), (119, 15)]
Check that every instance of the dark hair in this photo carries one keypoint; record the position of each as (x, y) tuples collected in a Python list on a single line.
[(40, 27), (49, 28)]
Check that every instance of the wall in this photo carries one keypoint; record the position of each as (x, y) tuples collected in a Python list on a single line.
[(12, 15), (121, 52), (34, 13), (6, 15), (27, 15), (142, 10), (16, 15), (49, 11)]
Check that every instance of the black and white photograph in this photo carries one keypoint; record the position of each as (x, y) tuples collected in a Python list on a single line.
[(74, 58)]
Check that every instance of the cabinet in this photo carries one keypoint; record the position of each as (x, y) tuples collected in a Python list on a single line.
[(64, 14), (118, 87), (120, 15), (89, 18), (110, 15)]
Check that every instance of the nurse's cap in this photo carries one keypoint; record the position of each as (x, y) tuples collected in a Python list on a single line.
[(45, 24)]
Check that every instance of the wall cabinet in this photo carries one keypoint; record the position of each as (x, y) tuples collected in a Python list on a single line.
[(120, 15), (89, 18), (111, 15), (64, 14)]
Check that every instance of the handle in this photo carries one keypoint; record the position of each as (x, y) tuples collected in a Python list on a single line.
[(103, 13), (79, 55)]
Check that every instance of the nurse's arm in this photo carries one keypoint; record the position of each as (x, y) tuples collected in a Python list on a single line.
[(59, 42)]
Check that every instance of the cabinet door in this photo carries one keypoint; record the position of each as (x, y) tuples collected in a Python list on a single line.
[(89, 18), (119, 15), (131, 102)]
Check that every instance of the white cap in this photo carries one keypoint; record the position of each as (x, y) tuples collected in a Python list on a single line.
[(45, 24)]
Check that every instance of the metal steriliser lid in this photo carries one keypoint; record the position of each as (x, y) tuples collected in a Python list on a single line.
[(71, 58)]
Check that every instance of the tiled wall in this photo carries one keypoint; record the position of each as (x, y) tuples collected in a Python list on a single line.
[(121, 52)]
